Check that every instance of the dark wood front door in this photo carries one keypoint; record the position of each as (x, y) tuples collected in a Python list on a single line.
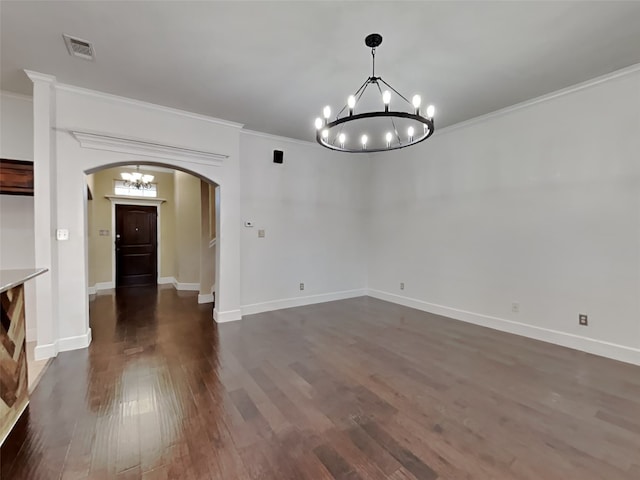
[(136, 245)]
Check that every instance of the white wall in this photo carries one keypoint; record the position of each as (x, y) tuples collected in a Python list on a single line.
[(313, 208), (16, 211), (180, 139), (188, 228), (539, 205)]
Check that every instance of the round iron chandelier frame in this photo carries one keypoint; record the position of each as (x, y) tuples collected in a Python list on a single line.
[(325, 130)]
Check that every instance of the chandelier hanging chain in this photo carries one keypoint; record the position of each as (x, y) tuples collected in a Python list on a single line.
[(373, 62)]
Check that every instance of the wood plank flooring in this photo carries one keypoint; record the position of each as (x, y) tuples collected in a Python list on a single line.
[(355, 389)]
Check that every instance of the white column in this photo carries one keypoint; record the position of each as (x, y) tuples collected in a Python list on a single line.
[(44, 206), (228, 219)]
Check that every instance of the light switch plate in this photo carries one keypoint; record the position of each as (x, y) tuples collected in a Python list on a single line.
[(260, 233)]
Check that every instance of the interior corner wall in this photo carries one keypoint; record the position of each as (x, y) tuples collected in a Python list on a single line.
[(538, 206), (188, 227), (207, 248), (17, 248), (313, 210)]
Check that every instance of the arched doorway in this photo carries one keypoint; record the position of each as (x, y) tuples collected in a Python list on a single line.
[(176, 208), (158, 239), (78, 131)]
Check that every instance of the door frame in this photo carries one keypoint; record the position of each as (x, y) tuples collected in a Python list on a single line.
[(141, 202)]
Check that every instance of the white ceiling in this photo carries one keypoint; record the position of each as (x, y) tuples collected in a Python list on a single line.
[(274, 65)]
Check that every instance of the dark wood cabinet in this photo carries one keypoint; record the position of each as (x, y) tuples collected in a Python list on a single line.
[(16, 177)]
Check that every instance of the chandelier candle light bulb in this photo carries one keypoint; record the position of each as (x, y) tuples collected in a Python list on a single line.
[(416, 100), (431, 111), (386, 99), (381, 123), (351, 102)]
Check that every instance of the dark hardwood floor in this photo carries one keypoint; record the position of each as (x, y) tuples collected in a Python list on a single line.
[(355, 389)]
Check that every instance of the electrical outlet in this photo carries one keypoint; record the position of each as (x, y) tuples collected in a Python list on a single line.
[(583, 319), (260, 233), (401, 285), (515, 307), (62, 234), (302, 286)]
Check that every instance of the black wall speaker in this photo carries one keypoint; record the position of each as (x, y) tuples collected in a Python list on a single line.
[(278, 156)]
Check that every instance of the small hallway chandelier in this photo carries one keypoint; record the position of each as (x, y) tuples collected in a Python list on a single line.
[(136, 179), (364, 131)]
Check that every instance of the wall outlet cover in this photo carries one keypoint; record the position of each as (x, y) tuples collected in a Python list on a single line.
[(583, 319), (62, 234)]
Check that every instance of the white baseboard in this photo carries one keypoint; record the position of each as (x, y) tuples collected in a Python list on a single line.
[(101, 286), (43, 352), (228, 316), (576, 342), (31, 335), (206, 298), (300, 301), (192, 287), (161, 281), (74, 343), (50, 350)]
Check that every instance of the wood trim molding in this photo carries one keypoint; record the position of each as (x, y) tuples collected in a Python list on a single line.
[(128, 200), (97, 141), (16, 177)]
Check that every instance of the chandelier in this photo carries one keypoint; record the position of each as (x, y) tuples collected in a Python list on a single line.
[(374, 130), (136, 179)]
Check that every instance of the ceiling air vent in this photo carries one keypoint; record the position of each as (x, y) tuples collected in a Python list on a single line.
[(78, 47)]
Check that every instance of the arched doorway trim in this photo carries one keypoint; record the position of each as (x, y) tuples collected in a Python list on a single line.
[(132, 146)]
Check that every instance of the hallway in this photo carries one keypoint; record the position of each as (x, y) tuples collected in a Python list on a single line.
[(357, 389)]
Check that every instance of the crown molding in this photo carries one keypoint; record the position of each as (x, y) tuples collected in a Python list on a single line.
[(40, 77), (278, 138), (17, 96), (541, 99), (132, 146), (150, 106)]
